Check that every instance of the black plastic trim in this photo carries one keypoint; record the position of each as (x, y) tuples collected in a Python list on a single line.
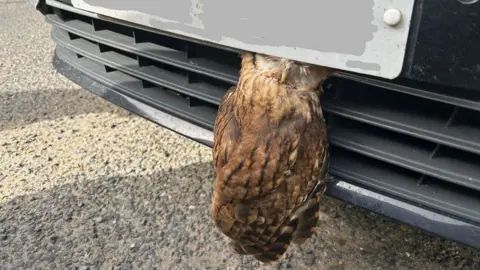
[(402, 121), (403, 151), (443, 43), (147, 50), (412, 138), (459, 97), (131, 86), (130, 66), (452, 136), (90, 78), (372, 114), (434, 222), (370, 172)]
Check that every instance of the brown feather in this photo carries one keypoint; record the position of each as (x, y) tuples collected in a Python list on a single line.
[(271, 157)]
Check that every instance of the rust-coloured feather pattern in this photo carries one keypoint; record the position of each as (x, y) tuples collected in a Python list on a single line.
[(270, 156)]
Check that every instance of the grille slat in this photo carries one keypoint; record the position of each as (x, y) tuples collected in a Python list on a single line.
[(405, 151), (177, 82), (421, 118), (417, 143), (464, 138), (131, 86), (403, 184), (457, 96), (148, 49)]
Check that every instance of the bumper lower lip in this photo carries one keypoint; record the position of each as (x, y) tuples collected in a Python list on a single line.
[(436, 223)]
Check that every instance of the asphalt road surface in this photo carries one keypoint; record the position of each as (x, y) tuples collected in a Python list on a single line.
[(86, 185)]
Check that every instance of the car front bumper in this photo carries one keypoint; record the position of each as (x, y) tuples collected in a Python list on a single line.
[(433, 222), (91, 68)]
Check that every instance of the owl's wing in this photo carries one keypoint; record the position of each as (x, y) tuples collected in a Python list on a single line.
[(264, 177), (226, 132)]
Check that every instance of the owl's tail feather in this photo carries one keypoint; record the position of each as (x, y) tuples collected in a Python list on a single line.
[(309, 214), (296, 230), (273, 251), (308, 219), (267, 251)]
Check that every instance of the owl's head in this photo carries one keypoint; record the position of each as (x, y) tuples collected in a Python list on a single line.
[(286, 71)]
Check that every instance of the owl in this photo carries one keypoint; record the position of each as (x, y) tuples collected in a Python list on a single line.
[(270, 156)]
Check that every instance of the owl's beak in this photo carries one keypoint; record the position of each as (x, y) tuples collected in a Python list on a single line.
[(285, 72), (284, 75)]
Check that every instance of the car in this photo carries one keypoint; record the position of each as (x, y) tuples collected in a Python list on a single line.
[(403, 110)]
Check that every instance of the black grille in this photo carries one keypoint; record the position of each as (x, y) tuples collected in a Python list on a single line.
[(416, 142)]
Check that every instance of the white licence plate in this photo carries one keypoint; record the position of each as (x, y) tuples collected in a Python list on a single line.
[(350, 35)]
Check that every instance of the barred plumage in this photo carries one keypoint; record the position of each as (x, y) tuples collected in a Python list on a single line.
[(270, 156)]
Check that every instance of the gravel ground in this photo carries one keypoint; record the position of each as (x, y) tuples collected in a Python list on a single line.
[(86, 185)]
